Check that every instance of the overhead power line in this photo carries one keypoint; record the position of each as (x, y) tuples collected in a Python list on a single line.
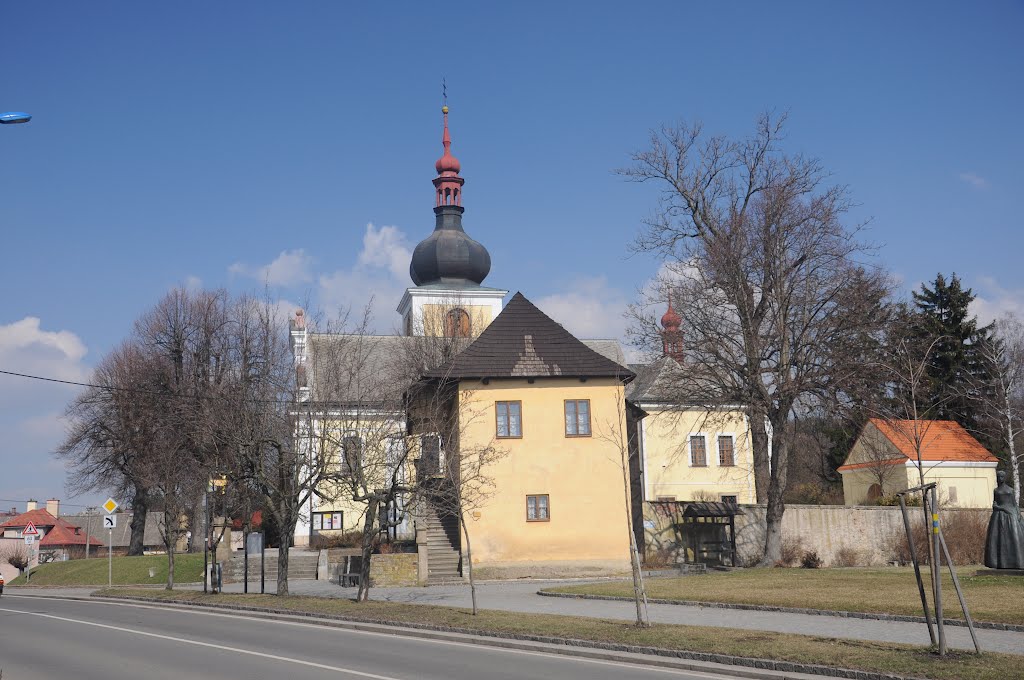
[(136, 390)]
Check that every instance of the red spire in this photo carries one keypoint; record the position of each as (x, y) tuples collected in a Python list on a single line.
[(448, 183), (672, 337)]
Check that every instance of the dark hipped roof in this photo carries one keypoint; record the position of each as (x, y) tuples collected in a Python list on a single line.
[(524, 342)]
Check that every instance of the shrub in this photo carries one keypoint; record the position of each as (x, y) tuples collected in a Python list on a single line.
[(810, 560), (964, 531), (912, 501), (807, 493), (348, 539), (792, 548), (15, 555), (662, 558), (846, 557)]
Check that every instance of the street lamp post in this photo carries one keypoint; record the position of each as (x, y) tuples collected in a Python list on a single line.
[(14, 117)]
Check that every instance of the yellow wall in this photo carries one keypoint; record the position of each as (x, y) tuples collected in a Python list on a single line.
[(667, 463), (433, 317), (856, 483), (581, 475)]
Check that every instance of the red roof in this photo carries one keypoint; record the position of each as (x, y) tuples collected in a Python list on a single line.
[(66, 533), (941, 440), (40, 517)]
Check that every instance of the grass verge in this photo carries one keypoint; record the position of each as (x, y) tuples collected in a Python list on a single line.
[(886, 591), (865, 656), (188, 568)]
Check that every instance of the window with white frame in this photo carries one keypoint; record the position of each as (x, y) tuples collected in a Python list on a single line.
[(698, 451), (726, 451), (432, 453), (351, 453)]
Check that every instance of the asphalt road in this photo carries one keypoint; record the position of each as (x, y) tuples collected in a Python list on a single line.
[(46, 638)]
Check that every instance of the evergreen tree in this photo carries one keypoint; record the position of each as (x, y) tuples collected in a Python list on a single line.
[(956, 366)]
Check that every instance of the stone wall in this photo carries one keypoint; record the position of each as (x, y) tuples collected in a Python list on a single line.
[(397, 569), (868, 531)]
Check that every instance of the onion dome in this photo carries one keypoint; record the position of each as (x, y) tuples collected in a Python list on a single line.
[(449, 255), (447, 164), (671, 320), (672, 337)]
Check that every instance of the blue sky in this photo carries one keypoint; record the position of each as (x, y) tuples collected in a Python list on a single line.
[(236, 144)]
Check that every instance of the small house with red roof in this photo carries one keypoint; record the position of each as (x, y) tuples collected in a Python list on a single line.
[(892, 455), (58, 539)]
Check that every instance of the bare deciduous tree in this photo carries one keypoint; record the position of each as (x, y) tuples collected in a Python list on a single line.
[(775, 299), (111, 431), (1002, 401)]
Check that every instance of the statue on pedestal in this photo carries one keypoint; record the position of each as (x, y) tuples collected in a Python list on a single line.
[(1004, 545)]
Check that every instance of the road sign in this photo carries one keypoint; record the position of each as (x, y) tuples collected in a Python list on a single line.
[(30, 530), (30, 539), (110, 505), (110, 521)]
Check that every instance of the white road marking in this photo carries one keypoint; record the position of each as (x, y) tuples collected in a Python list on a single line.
[(237, 650), (242, 615)]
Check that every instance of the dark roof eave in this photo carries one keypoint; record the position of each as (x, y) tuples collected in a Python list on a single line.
[(625, 378)]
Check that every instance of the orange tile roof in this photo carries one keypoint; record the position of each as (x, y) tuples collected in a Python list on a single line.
[(40, 517), (941, 440), (66, 533)]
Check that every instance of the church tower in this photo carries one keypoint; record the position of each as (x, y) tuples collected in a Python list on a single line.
[(448, 267)]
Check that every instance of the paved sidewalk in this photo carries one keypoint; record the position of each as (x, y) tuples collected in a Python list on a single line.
[(523, 597)]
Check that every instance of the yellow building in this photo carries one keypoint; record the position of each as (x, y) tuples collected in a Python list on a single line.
[(534, 421), (892, 455)]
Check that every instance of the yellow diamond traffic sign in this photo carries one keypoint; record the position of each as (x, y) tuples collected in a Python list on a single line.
[(110, 505)]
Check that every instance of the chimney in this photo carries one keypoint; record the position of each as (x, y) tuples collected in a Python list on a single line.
[(53, 507), (31, 505)]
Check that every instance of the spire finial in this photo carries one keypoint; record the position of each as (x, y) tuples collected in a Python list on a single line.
[(444, 95), (448, 183)]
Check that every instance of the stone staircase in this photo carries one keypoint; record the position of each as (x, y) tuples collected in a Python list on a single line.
[(302, 564), (444, 564)]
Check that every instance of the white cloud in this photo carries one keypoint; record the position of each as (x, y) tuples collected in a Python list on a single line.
[(386, 248), (590, 308), (27, 348), (192, 283), (288, 268), (378, 278), (993, 300), (974, 179)]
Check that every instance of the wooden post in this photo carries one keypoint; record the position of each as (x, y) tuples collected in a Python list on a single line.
[(959, 592), (937, 573), (917, 568)]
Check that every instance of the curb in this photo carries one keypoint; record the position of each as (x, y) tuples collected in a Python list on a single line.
[(986, 625), (738, 666)]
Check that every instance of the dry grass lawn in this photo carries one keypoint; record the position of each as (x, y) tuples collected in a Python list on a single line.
[(886, 590), (868, 656)]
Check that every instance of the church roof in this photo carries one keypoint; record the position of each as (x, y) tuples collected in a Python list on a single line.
[(524, 342), (656, 382)]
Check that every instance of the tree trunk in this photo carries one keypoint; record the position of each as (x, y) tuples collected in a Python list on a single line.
[(1014, 463), (369, 522), (170, 567), (282, 567), (776, 493), (469, 559), (196, 520), (140, 508), (762, 459)]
